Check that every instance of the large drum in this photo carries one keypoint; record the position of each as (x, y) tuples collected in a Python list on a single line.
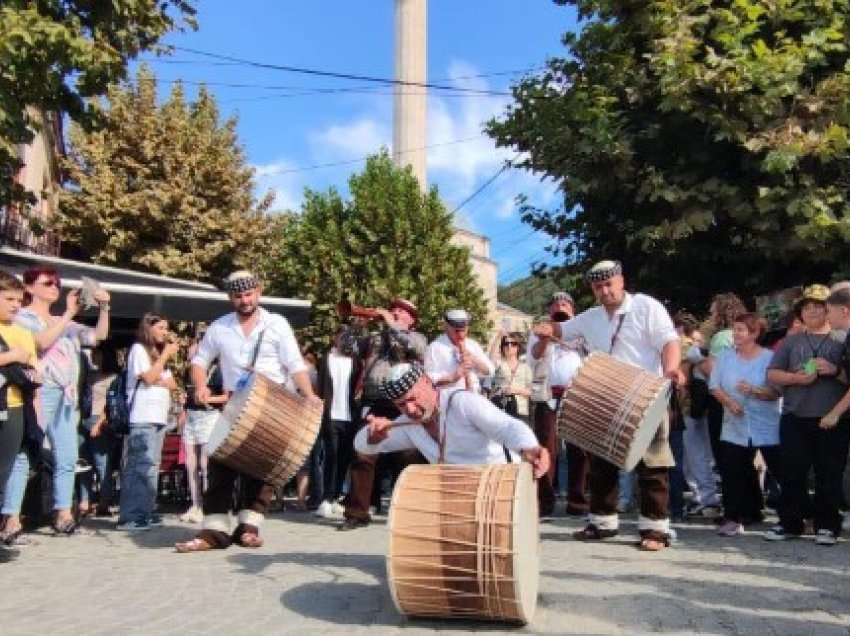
[(464, 542), (265, 431), (613, 409)]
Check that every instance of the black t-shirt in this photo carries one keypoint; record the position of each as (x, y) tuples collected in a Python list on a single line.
[(215, 384)]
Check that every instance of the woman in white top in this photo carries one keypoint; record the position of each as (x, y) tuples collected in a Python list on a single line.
[(149, 387)]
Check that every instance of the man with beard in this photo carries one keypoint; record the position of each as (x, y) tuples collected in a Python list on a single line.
[(477, 431), (635, 329), (246, 341), (395, 342), (555, 365)]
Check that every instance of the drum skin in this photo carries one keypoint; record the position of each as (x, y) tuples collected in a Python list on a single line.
[(266, 431), (465, 543), (613, 409)]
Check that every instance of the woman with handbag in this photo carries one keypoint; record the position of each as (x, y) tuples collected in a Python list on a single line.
[(18, 362), (512, 379), (59, 340), (149, 387)]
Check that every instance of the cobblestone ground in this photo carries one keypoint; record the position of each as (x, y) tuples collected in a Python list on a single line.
[(311, 579)]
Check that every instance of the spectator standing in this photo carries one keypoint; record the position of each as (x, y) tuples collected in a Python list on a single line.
[(511, 386), (807, 366), (751, 414), (149, 386), (59, 340)]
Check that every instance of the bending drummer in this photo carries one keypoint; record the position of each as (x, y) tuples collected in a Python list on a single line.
[(246, 340), (635, 329), (455, 426)]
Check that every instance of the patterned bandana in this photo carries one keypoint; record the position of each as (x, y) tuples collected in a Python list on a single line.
[(401, 379), (241, 281), (603, 270)]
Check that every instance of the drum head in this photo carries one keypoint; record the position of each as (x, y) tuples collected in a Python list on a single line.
[(645, 433), (220, 431), (228, 417), (526, 542)]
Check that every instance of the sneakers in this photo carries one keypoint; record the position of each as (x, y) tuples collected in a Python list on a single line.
[(778, 533), (695, 509), (825, 537), (155, 521), (330, 510), (134, 526), (192, 515), (730, 529)]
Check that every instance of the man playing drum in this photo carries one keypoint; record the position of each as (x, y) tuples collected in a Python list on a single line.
[(453, 426), (635, 329), (248, 340), (396, 342), (554, 368)]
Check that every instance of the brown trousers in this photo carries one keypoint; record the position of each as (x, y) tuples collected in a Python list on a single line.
[(653, 486), (546, 430), (254, 495)]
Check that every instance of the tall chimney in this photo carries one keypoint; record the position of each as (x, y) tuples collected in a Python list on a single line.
[(409, 115)]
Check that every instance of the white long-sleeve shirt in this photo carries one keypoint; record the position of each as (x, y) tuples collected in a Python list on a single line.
[(442, 359), (475, 433), (278, 356)]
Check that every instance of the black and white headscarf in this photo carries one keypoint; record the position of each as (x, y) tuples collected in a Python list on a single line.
[(401, 379), (603, 270), (241, 281)]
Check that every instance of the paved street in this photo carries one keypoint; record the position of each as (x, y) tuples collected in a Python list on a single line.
[(311, 579)]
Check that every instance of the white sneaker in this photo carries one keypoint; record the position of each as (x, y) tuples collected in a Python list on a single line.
[(337, 510), (825, 537), (324, 510), (192, 515)]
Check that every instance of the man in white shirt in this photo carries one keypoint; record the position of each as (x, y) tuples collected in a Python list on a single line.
[(452, 426), (555, 365), (246, 341), (638, 330), (453, 359)]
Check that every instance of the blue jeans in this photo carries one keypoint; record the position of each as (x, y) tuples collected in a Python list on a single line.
[(626, 490), (140, 477), (61, 417)]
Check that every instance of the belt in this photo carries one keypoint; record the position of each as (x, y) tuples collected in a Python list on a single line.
[(557, 391)]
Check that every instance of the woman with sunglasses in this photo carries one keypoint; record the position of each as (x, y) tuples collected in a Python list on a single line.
[(149, 387), (59, 340), (512, 379)]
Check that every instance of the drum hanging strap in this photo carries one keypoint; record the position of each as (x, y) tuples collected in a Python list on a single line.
[(257, 350), (444, 432), (616, 333)]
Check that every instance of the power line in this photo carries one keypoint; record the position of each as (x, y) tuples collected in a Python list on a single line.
[(348, 76), (484, 185), (358, 160)]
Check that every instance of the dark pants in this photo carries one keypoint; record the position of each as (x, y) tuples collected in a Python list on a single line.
[(11, 438), (338, 438), (254, 495), (653, 489), (803, 446), (362, 468), (678, 485), (742, 495), (714, 419), (546, 430)]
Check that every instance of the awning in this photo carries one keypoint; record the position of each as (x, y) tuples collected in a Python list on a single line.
[(134, 293)]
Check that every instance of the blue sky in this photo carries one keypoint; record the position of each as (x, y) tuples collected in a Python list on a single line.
[(291, 131)]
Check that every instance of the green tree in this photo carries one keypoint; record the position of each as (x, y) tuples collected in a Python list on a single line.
[(55, 54), (389, 239), (165, 188), (703, 142)]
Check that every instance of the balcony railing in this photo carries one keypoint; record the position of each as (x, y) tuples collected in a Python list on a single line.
[(17, 232)]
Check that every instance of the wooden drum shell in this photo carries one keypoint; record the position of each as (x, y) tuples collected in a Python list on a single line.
[(266, 431), (464, 542), (613, 409)]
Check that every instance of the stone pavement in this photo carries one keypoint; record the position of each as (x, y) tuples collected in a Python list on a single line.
[(311, 579)]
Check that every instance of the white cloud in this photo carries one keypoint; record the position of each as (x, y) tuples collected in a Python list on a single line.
[(359, 138), (278, 176)]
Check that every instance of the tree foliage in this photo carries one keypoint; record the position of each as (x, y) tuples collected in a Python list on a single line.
[(389, 239), (54, 54), (164, 188), (703, 142)]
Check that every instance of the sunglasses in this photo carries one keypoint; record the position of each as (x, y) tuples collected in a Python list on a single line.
[(52, 282), (510, 343), (457, 325)]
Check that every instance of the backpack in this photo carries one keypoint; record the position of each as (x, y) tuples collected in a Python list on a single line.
[(117, 408)]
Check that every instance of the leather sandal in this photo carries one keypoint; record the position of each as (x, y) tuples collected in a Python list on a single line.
[(592, 532), (249, 540), (194, 545), (651, 544)]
